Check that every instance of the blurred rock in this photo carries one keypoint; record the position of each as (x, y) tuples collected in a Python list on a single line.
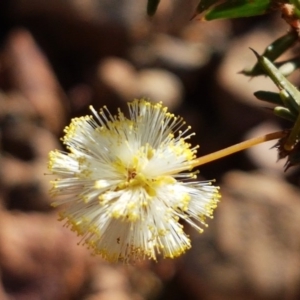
[(39, 259), (32, 76), (109, 283), (119, 76), (3, 294), (179, 53), (264, 155), (160, 85), (214, 36), (251, 250), (80, 96), (25, 147), (171, 52), (14, 105), (14, 171)]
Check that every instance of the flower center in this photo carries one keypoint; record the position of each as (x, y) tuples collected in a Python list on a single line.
[(131, 174)]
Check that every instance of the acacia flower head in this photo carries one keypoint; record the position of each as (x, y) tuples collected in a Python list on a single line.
[(126, 182)]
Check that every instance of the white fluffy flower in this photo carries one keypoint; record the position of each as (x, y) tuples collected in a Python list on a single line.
[(122, 185)]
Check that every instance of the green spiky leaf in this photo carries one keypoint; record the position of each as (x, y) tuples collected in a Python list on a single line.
[(273, 51), (270, 97), (238, 9), (281, 81), (284, 113)]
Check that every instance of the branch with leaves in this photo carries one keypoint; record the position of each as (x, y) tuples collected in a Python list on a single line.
[(287, 101)]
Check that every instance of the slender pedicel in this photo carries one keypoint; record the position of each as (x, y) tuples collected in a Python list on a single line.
[(238, 147)]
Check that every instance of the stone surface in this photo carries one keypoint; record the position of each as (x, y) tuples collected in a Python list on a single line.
[(31, 74), (251, 250)]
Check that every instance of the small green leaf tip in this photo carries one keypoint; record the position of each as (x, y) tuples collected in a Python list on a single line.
[(204, 5), (284, 113), (286, 67), (238, 9), (273, 51), (152, 6), (255, 53), (270, 97)]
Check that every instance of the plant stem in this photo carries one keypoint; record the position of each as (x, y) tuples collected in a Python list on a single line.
[(292, 138), (238, 147)]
